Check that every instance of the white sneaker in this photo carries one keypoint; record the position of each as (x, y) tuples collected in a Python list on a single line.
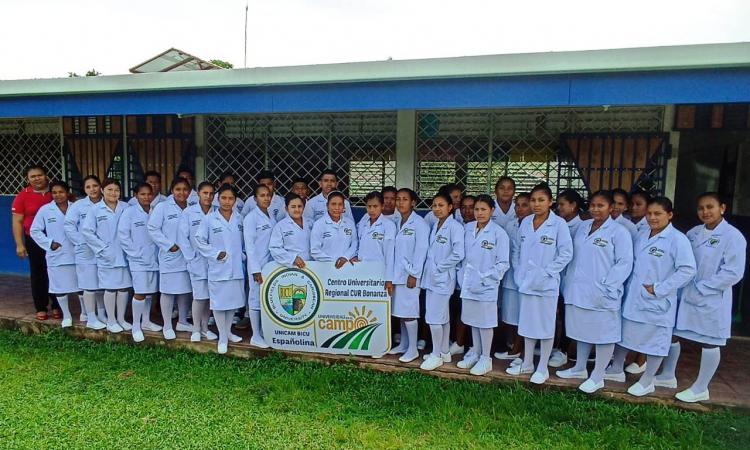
[(183, 327), (483, 366), (83, 317), (670, 383), (518, 370), (397, 350), (96, 325), (421, 344), (257, 341), (469, 361), (195, 336), (221, 349), (209, 335), (539, 378), (639, 390), (688, 396), (125, 325), (406, 357), (211, 321), (66, 323), (634, 368), (432, 362), (504, 356), (557, 359), (150, 326), (516, 362), (233, 338), (590, 387), (114, 328), (618, 377), (169, 334), (456, 349), (138, 336), (447, 357), (570, 374)]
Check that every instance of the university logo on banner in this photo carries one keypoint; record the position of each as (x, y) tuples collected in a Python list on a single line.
[(324, 309)]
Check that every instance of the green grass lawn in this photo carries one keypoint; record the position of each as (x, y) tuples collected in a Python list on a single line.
[(59, 392)]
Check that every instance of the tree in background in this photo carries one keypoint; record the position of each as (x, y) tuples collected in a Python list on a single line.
[(222, 64), (90, 73)]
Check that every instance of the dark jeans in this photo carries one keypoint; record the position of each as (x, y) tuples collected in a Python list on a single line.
[(38, 275)]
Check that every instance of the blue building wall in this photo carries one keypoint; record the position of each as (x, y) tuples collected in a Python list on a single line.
[(9, 262)]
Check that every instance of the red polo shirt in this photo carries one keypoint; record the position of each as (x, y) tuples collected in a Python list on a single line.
[(27, 203)]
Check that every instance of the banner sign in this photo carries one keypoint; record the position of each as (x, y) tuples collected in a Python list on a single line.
[(326, 310)]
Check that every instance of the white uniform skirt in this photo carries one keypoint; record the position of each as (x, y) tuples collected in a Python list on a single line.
[(437, 308), (510, 309), (253, 295), (478, 314), (702, 338), (114, 278), (536, 318), (88, 277), (405, 302), (62, 279), (175, 283), (200, 288), (646, 338), (145, 282), (227, 295), (593, 326)]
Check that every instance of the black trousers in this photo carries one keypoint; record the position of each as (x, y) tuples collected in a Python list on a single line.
[(38, 274)]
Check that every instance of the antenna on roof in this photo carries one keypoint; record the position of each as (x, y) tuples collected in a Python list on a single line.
[(247, 5)]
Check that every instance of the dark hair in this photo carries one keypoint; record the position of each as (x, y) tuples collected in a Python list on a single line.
[(334, 194), (92, 177), (258, 187), (664, 202), (505, 178), (544, 187), (290, 197), (374, 195), (35, 167), (60, 183), (389, 189), (572, 196), (525, 195), (224, 175), (263, 174), (185, 169), (450, 187), (140, 186), (227, 187), (204, 184), (484, 198), (178, 180), (296, 180), (151, 173), (412, 195), (714, 195), (445, 196), (469, 197), (606, 195), (108, 181), (329, 172), (623, 192), (640, 193)]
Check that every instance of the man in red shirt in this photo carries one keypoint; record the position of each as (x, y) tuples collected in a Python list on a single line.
[(25, 207)]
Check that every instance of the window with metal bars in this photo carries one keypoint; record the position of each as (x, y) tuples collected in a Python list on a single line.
[(24, 142)]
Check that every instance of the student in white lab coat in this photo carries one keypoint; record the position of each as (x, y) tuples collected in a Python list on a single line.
[(100, 231), (458, 328), (197, 265), (704, 315), (505, 211), (389, 204), (546, 248), (638, 207), (664, 263), (230, 179), (412, 241), (316, 207), (620, 210), (444, 254), (220, 240), (487, 261), (277, 208), (593, 289), (301, 187), (258, 226), (510, 309), (290, 238), (455, 192), (86, 274), (377, 237), (48, 232), (152, 178), (187, 174), (141, 252), (333, 237), (174, 279)]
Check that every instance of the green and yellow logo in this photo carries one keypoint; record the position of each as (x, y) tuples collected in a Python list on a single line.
[(292, 298), (357, 327)]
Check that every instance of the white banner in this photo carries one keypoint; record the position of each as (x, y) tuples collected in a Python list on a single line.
[(327, 310)]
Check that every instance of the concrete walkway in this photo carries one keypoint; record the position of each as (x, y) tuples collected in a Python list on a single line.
[(730, 387)]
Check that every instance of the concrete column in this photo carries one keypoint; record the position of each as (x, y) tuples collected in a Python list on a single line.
[(741, 197), (200, 148), (670, 181), (406, 149)]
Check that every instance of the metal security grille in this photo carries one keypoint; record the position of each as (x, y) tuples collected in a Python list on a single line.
[(25, 142), (361, 147), (93, 146), (475, 148)]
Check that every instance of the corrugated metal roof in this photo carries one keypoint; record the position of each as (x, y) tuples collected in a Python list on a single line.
[(590, 61)]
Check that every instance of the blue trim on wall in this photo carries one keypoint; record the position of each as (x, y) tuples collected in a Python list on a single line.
[(629, 88), (9, 262)]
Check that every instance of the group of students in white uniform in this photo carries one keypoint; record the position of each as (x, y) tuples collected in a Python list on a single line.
[(613, 283)]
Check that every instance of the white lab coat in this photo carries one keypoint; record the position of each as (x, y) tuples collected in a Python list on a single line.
[(191, 219), (630, 226), (49, 226), (487, 260), (136, 242), (192, 199), (602, 262), (158, 198), (412, 242), (641, 225), (666, 261), (317, 207), (543, 254), (444, 254), (163, 226), (277, 208), (239, 204), (501, 218), (73, 222), (706, 301), (511, 229), (395, 218), (258, 228), (331, 240), (100, 231), (289, 240), (573, 225), (377, 241)]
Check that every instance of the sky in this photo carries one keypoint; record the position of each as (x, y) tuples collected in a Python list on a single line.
[(47, 39)]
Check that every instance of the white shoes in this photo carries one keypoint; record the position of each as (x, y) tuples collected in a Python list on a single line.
[(183, 327), (195, 336), (66, 323), (138, 336), (570, 374), (539, 378), (469, 361), (406, 357), (483, 366), (640, 390), (688, 396), (446, 357), (590, 387), (506, 356), (421, 344), (518, 370), (557, 359), (456, 349), (618, 377), (83, 317), (125, 325), (432, 362), (397, 350), (211, 321), (209, 335), (169, 334), (233, 338), (221, 349), (670, 383), (258, 341), (150, 326), (96, 325), (516, 362), (634, 368), (114, 328)]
